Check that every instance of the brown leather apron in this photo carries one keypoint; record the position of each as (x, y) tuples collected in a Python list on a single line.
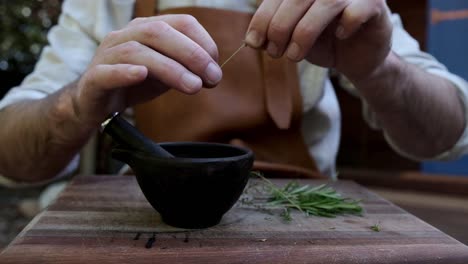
[(257, 104)]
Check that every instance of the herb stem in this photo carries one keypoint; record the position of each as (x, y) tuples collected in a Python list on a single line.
[(280, 192)]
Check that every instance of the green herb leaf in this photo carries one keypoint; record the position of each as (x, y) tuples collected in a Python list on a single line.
[(320, 200), (375, 228)]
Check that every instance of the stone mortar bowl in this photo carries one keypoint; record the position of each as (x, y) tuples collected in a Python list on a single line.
[(197, 186)]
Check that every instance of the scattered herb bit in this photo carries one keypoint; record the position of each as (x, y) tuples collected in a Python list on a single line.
[(332, 228), (319, 201), (262, 240), (186, 240), (151, 241), (286, 215), (245, 200), (375, 228)]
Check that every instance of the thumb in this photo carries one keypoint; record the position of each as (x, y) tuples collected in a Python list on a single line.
[(106, 78), (99, 91)]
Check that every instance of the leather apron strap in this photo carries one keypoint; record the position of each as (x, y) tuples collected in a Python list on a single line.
[(145, 8)]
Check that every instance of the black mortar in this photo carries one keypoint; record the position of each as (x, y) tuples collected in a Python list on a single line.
[(195, 185)]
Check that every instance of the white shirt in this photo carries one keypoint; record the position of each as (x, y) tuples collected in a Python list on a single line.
[(83, 24)]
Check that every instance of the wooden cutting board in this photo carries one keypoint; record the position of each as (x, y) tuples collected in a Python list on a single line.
[(106, 219)]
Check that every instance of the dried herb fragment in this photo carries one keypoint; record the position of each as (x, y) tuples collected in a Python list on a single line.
[(375, 228), (286, 215)]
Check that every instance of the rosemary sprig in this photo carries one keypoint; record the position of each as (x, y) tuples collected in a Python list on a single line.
[(321, 200)]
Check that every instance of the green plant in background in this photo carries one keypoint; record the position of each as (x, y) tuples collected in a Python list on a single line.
[(24, 25)]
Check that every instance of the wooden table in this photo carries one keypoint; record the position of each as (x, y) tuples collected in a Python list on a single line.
[(106, 219)]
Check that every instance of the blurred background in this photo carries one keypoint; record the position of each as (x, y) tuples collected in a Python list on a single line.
[(23, 28), (427, 190)]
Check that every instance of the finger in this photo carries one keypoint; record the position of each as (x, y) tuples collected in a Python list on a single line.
[(108, 77), (258, 28), (99, 82), (283, 23), (187, 25), (311, 26), (160, 67), (161, 37)]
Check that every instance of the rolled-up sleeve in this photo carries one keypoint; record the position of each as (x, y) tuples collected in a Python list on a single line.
[(409, 50), (72, 44)]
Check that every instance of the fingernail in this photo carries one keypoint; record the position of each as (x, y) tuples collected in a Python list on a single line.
[(191, 82), (213, 73), (135, 70), (253, 39), (294, 51), (272, 49), (340, 32)]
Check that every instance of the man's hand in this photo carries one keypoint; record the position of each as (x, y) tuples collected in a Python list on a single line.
[(131, 65), (353, 36), (142, 61)]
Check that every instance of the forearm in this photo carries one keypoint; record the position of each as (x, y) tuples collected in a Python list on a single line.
[(40, 137), (420, 112)]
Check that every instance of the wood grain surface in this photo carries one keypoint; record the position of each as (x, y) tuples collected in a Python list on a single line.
[(106, 219)]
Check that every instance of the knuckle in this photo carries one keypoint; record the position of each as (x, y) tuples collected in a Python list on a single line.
[(186, 23), (353, 19), (91, 76), (380, 7), (137, 21), (128, 49), (113, 34), (187, 20), (334, 3), (301, 3), (380, 3), (213, 51), (303, 31), (131, 46), (110, 38), (197, 56), (276, 30), (259, 17), (114, 71), (155, 30)]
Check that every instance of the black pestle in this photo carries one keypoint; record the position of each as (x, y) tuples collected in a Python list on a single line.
[(127, 136)]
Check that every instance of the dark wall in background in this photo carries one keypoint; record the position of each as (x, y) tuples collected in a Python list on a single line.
[(9, 79)]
